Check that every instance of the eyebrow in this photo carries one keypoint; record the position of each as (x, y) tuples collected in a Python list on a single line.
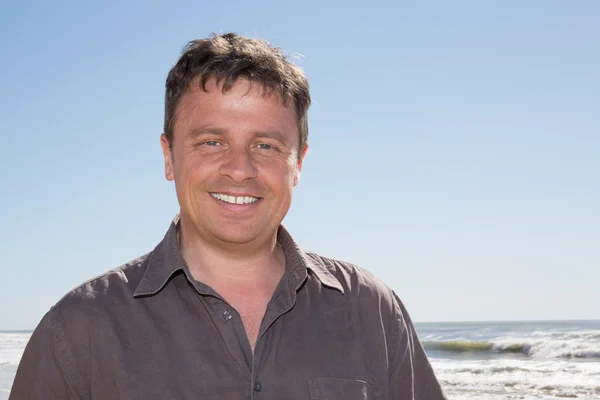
[(272, 135), (194, 133)]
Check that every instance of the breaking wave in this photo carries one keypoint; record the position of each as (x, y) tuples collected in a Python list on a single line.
[(554, 349)]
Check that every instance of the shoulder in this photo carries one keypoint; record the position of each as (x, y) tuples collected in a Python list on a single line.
[(357, 282), (102, 292), (351, 276), (380, 310)]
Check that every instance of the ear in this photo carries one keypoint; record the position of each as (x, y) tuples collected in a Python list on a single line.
[(168, 157), (299, 165)]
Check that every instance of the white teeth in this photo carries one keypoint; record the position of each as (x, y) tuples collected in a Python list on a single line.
[(233, 199)]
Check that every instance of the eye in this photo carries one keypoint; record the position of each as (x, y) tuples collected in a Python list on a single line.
[(211, 143), (264, 146)]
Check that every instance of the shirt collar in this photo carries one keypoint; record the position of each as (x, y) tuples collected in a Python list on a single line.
[(166, 260), (298, 262)]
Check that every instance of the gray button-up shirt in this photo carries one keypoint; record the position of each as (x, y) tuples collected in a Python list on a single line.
[(149, 330)]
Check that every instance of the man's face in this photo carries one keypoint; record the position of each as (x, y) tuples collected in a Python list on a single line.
[(234, 161)]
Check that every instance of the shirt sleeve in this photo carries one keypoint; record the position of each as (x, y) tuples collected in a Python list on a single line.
[(409, 368), (46, 369)]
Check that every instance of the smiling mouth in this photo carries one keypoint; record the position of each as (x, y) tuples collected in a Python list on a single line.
[(235, 200)]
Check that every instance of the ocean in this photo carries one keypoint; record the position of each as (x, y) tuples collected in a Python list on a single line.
[(12, 345), (482, 360), (515, 360)]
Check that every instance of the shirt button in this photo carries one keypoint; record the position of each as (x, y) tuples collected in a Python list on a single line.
[(227, 315), (257, 387)]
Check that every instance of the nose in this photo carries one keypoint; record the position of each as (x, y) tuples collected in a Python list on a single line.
[(238, 165)]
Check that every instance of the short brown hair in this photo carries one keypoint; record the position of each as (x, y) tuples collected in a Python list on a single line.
[(229, 57)]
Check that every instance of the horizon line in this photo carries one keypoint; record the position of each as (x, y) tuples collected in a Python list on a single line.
[(508, 321)]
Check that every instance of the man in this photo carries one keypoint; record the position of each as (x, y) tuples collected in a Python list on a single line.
[(228, 306)]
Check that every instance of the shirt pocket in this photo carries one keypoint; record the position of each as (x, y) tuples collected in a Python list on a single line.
[(342, 389)]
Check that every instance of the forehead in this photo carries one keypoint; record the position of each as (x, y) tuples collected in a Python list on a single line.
[(244, 103)]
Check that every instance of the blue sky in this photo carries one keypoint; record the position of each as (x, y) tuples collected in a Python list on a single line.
[(454, 145)]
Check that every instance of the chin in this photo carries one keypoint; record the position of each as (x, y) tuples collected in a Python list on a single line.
[(237, 234), (235, 237)]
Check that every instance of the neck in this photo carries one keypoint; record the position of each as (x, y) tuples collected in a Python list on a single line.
[(214, 262)]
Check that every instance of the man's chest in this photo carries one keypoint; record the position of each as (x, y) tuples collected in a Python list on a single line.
[(251, 312), (203, 352)]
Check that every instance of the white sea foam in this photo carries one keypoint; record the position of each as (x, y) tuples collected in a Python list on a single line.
[(12, 346), (524, 378), (557, 345)]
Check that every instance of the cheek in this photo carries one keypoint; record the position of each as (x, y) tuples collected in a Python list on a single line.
[(281, 173), (194, 168), (285, 179)]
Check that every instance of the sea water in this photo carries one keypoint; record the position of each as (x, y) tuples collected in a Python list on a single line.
[(12, 345), (483, 360), (515, 360)]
